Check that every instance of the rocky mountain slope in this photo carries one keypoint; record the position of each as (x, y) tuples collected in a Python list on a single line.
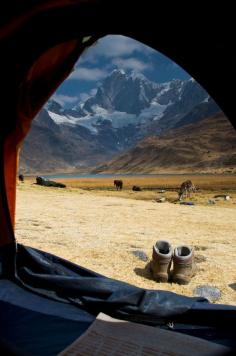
[(205, 146), (126, 108), (51, 147)]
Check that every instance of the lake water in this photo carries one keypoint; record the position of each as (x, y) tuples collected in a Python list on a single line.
[(86, 175)]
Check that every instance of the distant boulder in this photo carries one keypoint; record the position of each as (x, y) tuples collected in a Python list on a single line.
[(49, 183), (161, 200), (224, 196)]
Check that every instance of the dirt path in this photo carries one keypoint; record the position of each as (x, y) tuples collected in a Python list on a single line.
[(101, 232)]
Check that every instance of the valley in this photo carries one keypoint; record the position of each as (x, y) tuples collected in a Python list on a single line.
[(131, 124)]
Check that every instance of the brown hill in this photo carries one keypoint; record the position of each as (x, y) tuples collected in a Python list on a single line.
[(59, 148), (206, 146)]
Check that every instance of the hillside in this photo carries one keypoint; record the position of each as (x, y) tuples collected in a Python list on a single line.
[(61, 148), (206, 146)]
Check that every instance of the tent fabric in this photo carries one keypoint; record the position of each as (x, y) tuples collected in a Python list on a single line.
[(49, 302), (30, 100), (34, 325), (62, 281)]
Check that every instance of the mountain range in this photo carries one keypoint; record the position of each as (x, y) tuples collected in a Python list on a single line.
[(125, 111), (207, 146)]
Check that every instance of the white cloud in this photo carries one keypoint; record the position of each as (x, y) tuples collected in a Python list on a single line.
[(90, 74), (64, 99), (131, 63), (84, 96), (93, 91), (114, 46)]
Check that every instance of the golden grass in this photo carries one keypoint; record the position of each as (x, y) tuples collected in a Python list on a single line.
[(100, 228), (208, 186), (209, 182)]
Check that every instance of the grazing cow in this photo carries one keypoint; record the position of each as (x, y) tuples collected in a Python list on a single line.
[(21, 178), (186, 188), (118, 183), (136, 188)]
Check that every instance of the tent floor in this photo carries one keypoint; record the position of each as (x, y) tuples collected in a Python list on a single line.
[(34, 325)]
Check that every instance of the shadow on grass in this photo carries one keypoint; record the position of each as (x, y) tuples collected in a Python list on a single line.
[(144, 272), (233, 286), (200, 258), (200, 248)]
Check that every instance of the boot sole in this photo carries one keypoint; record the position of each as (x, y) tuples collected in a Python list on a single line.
[(180, 281), (161, 279)]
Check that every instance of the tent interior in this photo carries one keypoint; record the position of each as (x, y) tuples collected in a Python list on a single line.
[(45, 301)]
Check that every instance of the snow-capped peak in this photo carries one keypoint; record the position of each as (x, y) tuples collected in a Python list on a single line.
[(136, 75), (128, 98), (117, 71)]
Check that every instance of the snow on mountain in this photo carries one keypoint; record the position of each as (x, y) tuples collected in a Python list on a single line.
[(110, 102), (126, 99), (136, 75), (155, 111), (125, 109), (118, 119), (61, 119)]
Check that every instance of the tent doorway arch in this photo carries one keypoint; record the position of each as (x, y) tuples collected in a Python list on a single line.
[(205, 62)]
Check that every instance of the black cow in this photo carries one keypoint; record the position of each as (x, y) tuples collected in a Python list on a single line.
[(136, 188), (118, 183), (21, 178)]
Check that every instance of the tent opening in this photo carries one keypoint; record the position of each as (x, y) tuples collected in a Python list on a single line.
[(129, 113)]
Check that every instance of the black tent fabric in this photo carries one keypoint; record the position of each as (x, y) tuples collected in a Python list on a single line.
[(51, 294), (34, 325)]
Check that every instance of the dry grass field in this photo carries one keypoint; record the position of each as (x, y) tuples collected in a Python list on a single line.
[(92, 224), (206, 182), (208, 186)]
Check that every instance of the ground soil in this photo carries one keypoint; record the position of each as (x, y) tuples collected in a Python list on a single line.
[(100, 228)]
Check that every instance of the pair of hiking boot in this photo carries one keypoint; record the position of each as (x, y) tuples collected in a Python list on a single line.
[(183, 263)]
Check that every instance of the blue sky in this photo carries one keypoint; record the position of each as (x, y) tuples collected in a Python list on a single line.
[(110, 52)]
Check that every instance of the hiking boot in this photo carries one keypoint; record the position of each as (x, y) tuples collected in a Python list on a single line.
[(184, 265), (161, 261)]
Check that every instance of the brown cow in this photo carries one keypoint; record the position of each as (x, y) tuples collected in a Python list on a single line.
[(118, 183), (185, 189)]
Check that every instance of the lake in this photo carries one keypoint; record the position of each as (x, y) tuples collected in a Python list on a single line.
[(87, 175)]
